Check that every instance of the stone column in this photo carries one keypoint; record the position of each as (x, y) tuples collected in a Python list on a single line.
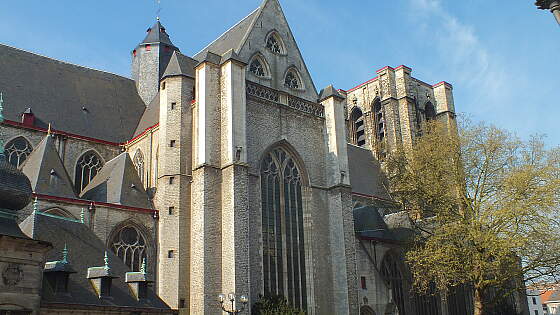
[(235, 208), (406, 112), (341, 233), (390, 107), (206, 223)]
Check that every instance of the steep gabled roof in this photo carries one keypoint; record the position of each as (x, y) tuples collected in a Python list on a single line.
[(118, 183), (46, 171), (157, 34), (232, 38), (74, 99), (150, 117), (366, 176)]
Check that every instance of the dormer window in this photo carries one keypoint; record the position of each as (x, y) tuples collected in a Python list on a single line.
[(258, 66), (274, 43), (148, 47), (292, 80)]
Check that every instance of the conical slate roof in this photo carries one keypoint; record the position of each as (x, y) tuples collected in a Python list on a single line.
[(118, 183), (157, 34), (180, 64), (46, 171)]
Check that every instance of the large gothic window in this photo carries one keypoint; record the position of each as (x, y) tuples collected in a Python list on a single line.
[(393, 276), (292, 80), (87, 167), (139, 164), (129, 244), (274, 43), (357, 128), (258, 67), (282, 224), (17, 151)]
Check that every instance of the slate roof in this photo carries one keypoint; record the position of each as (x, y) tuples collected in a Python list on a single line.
[(368, 223), (180, 64), (46, 171), (74, 99), (157, 34), (232, 38), (328, 92), (15, 188), (366, 176), (118, 183), (85, 250), (150, 116)]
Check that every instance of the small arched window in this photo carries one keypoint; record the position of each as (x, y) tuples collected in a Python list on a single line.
[(130, 245), (258, 66), (430, 111), (87, 167), (274, 43), (393, 275), (379, 120), (292, 80), (17, 151), (139, 164), (357, 127)]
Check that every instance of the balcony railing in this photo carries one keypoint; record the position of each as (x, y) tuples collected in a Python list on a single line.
[(265, 93)]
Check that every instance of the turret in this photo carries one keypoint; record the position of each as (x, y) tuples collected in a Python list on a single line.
[(150, 59)]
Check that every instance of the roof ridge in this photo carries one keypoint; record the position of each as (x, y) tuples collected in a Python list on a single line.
[(65, 62), (236, 24)]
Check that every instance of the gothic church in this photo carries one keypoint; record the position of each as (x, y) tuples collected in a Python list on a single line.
[(226, 171)]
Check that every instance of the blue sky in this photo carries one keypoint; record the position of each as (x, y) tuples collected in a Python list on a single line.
[(501, 59)]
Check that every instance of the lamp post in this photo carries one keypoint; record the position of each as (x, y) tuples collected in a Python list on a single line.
[(231, 297), (552, 5)]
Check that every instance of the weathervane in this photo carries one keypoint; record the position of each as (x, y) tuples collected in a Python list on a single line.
[(159, 9)]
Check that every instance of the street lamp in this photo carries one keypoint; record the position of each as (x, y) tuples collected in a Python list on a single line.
[(552, 5), (231, 297)]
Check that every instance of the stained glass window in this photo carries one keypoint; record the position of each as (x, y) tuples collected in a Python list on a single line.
[(17, 151), (87, 167), (282, 224), (130, 246), (257, 67)]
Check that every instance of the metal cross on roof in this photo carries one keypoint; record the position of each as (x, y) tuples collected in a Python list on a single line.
[(159, 9)]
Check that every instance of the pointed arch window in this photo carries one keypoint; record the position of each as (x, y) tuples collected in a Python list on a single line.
[(130, 245), (393, 275), (283, 230), (17, 151), (274, 43), (258, 66), (430, 111), (139, 164), (292, 80), (87, 167), (357, 132)]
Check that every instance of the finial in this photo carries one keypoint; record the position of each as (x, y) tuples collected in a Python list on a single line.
[(1, 107), (82, 216), (49, 130), (106, 259), (159, 9), (143, 267), (65, 254)]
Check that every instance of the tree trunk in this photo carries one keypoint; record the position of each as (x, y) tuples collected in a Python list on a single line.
[(478, 302)]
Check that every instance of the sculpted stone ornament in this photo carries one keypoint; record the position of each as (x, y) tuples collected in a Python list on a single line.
[(12, 275), (552, 5)]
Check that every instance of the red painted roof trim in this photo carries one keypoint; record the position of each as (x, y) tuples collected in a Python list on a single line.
[(403, 66), (443, 82), (53, 131), (95, 203), (380, 240), (143, 133), (360, 85), (386, 67), (193, 101)]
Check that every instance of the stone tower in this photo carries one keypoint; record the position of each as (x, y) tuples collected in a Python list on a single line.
[(149, 61), (173, 196)]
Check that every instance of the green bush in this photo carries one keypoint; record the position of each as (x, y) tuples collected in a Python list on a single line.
[(274, 305)]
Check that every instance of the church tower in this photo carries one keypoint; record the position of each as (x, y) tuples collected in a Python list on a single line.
[(149, 61)]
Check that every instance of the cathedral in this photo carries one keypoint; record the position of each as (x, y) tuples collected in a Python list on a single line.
[(225, 171)]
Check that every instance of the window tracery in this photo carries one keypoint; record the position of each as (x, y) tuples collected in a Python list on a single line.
[(17, 151), (274, 44), (257, 67), (139, 164), (292, 80), (283, 232), (129, 244), (87, 167)]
